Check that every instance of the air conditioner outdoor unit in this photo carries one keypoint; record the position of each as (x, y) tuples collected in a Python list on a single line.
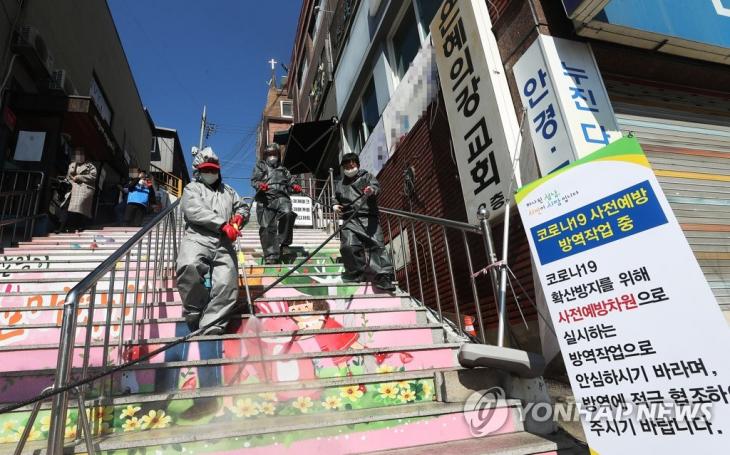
[(29, 36), (60, 81)]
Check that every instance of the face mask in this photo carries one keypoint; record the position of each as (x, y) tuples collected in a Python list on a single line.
[(142, 182), (272, 161), (351, 172), (208, 178)]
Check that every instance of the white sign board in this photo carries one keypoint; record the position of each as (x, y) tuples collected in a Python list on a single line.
[(302, 206), (569, 114), (481, 115), (30, 146), (641, 333)]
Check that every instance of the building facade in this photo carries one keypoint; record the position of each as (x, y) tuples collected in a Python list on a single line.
[(66, 84), (669, 89), (277, 116)]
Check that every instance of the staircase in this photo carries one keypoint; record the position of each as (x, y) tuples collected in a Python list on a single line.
[(325, 367)]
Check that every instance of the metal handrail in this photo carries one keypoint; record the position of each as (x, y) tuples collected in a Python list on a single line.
[(433, 220), (20, 199), (170, 218), (177, 187)]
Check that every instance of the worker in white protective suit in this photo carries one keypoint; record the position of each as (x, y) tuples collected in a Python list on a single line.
[(214, 215)]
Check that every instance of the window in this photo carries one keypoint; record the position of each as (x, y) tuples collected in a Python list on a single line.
[(302, 70), (357, 132), (286, 109), (370, 112), (426, 11), (406, 42)]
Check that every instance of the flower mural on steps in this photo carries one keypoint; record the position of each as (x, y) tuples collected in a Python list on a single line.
[(132, 424), (332, 402), (303, 404), (245, 408), (155, 419), (129, 411), (353, 392)]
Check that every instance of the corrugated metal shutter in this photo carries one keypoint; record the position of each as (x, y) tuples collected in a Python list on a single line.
[(686, 137)]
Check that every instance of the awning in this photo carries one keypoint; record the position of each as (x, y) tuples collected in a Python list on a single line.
[(306, 144)]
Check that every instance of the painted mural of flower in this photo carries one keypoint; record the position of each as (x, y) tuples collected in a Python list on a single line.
[(100, 414), (404, 385), (352, 392), (268, 396), (10, 425), (132, 424), (303, 404), (385, 369), (70, 432), (267, 408), (332, 402), (245, 407), (407, 395), (155, 419), (427, 389), (32, 436), (129, 411), (388, 390)]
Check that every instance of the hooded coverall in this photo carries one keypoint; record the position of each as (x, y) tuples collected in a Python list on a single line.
[(273, 208), (363, 231), (205, 248)]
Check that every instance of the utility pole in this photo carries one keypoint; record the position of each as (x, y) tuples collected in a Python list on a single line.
[(202, 129)]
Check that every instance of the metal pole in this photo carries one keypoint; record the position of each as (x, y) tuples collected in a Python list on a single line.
[(451, 275), (157, 254), (477, 306), (109, 310), (63, 374), (486, 228), (136, 289), (502, 329), (390, 241), (405, 259), (418, 262), (435, 277), (123, 316), (146, 278), (89, 330)]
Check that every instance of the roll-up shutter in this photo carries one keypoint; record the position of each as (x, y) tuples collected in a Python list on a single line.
[(686, 137)]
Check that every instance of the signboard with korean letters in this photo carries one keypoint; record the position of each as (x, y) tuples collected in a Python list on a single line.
[(569, 114), (302, 206), (481, 114), (642, 336)]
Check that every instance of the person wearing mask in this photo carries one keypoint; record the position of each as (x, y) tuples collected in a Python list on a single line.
[(82, 176), (356, 194), (214, 215), (140, 196), (273, 184)]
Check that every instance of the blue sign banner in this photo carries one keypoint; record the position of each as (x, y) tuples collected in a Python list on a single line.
[(622, 214), (702, 21)]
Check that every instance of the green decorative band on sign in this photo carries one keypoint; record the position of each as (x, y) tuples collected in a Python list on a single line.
[(626, 149)]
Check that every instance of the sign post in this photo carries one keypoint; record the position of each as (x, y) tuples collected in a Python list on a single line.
[(644, 341)]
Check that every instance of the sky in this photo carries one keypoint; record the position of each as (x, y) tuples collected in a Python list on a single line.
[(187, 53)]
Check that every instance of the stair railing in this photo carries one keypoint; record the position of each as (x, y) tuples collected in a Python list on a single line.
[(172, 183), (153, 272), (323, 215), (19, 195)]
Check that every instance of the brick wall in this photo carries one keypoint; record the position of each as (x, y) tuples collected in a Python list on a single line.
[(438, 193)]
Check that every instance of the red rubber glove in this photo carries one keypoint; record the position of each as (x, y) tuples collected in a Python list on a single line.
[(263, 186), (230, 231), (149, 183), (368, 191), (237, 221), (297, 188)]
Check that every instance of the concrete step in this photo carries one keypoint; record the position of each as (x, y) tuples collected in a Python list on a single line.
[(518, 443), (332, 433), (20, 384)]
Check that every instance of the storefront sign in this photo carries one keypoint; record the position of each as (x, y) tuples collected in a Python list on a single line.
[(641, 333), (302, 206), (569, 114), (478, 104), (696, 29)]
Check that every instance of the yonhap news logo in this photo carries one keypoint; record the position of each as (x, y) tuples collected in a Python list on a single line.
[(485, 411)]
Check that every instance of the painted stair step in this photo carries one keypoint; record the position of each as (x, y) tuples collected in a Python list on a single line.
[(252, 344), (336, 432), (192, 389), (518, 443), (20, 385), (19, 276), (32, 336), (57, 286), (44, 309)]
